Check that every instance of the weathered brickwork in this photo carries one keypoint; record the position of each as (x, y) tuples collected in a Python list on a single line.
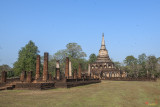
[(67, 68), (29, 77), (45, 67), (38, 67)]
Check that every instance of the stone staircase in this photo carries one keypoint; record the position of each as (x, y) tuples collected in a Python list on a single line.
[(8, 86)]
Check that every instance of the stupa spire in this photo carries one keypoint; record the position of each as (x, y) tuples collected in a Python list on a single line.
[(103, 42)]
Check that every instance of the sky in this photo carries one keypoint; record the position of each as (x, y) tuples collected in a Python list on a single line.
[(130, 27)]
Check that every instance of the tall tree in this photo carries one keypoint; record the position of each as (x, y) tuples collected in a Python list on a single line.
[(142, 59), (131, 65), (151, 64), (130, 60), (60, 55), (75, 51), (92, 58), (26, 59)]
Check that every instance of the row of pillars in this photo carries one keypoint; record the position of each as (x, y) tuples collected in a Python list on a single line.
[(46, 76), (68, 70), (28, 76)]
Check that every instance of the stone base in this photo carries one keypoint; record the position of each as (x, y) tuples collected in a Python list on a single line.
[(35, 86), (75, 82)]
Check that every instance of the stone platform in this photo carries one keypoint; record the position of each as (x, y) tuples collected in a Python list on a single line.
[(35, 86), (75, 82)]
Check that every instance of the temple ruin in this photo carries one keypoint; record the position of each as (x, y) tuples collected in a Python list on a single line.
[(103, 67)]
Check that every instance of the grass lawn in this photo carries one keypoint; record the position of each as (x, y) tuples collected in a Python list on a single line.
[(104, 94)]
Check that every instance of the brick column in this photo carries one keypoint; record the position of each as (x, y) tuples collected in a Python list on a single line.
[(75, 74), (67, 68), (29, 77), (45, 67), (23, 76), (57, 71), (38, 67), (3, 76), (79, 71)]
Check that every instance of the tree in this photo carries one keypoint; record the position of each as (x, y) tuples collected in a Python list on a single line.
[(26, 59), (5, 67), (75, 51), (158, 67), (130, 60), (92, 58), (131, 63), (151, 64), (117, 65), (60, 55), (142, 64)]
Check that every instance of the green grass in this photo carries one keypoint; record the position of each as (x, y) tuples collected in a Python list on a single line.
[(104, 94)]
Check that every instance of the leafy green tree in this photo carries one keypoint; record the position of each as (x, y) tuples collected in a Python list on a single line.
[(142, 59), (130, 60), (26, 59), (117, 65), (131, 63), (52, 66), (60, 55), (92, 58), (158, 67), (151, 64), (74, 52), (5, 67)]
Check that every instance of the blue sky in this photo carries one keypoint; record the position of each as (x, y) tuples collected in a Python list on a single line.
[(130, 27)]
